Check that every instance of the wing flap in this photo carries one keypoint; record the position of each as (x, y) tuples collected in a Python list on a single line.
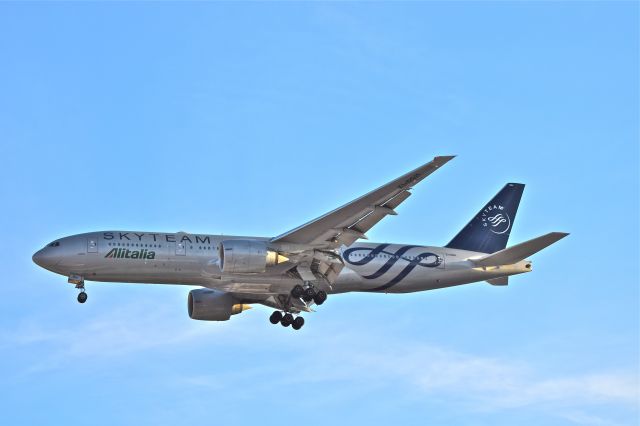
[(397, 199)]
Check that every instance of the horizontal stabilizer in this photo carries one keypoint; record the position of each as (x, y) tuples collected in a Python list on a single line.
[(520, 251), (499, 281)]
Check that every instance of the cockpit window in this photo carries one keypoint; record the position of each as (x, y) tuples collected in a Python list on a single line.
[(55, 244)]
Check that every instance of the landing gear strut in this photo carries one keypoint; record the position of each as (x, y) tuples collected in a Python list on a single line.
[(78, 280)]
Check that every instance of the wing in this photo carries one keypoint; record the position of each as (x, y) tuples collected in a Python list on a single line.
[(312, 247), (350, 222)]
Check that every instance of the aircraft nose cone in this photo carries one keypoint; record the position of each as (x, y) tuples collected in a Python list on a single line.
[(38, 258), (44, 258)]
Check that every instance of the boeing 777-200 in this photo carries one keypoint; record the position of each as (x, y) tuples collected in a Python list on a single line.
[(298, 269)]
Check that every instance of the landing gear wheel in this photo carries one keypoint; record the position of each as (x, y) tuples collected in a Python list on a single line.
[(275, 317), (297, 323), (287, 319), (297, 291), (320, 298), (82, 297), (309, 294)]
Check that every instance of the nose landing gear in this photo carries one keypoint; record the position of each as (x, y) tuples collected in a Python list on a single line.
[(79, 282)]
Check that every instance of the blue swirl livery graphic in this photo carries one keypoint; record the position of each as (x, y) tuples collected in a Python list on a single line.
[(366, 255)]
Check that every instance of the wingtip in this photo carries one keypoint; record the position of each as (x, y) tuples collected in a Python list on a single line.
[(442, 159)]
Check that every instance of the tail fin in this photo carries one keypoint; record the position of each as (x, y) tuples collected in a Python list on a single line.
[(488, 231)]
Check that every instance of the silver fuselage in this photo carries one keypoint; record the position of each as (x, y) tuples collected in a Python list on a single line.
[(192, 259)]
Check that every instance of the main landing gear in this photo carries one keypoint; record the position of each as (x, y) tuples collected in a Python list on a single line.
[(308, 294), (286, 320)]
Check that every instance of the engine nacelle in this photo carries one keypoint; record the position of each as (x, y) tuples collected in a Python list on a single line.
[(212, 305), (246, 257)]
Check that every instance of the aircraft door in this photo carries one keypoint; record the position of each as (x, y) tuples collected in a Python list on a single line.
[(92, 244), (181, 249)]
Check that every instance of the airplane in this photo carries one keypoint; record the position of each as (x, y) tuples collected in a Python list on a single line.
[(294, 272)]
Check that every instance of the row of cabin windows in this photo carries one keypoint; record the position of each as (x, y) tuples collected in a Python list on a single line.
[(152, 245), (388, 256), (135, 245)]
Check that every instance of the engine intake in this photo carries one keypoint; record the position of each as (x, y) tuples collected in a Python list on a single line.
[(246, 257), (211, 305)]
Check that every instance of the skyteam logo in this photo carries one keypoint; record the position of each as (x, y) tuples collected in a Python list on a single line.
[(360, 256), (496, 219)]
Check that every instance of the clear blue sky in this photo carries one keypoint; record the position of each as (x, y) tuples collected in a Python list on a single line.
[(253, 118)]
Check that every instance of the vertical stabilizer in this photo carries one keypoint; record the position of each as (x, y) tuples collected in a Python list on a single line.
[(488, 231)]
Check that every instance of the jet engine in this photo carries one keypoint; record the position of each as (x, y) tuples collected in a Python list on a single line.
[(212, 305), (246, 257)]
